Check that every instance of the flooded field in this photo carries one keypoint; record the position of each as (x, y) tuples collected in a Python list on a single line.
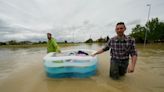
[(21, 70)]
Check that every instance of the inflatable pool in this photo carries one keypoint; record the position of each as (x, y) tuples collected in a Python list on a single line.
[(70, 63)]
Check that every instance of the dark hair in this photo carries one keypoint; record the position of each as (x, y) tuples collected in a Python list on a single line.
[(49, 33), (121, 23)]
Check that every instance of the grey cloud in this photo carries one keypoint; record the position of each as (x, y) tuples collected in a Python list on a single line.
[(134, 22)]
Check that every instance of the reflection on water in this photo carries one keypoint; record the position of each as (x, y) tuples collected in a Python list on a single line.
[(21, 70)]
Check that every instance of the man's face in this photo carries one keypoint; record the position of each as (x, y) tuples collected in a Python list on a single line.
[(120, 29), (49, 36)]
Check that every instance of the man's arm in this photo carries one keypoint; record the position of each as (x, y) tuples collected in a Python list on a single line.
[(97, 52), (131, 66), (133, 54), (56, 47), (106, 47)]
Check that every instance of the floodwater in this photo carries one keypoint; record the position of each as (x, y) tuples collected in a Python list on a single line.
[(21, 70)]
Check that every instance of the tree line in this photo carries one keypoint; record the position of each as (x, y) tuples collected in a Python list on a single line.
[(99, 40), (154, 29), (14, 42)]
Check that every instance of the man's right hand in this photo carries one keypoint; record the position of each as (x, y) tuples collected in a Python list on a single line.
[(97, 52), (93, 54)]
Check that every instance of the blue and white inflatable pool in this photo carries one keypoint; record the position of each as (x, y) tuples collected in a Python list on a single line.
[(70, 63)]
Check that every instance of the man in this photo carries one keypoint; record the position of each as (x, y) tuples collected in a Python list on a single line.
[(52, 45), (121, 47)]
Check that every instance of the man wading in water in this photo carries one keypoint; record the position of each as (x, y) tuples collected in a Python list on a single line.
[(121, 47), (52, 45)]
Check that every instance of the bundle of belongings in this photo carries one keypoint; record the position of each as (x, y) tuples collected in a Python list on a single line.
[(79, 53)]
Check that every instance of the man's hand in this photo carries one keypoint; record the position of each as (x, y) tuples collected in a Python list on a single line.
[(93, 54), (97, 52), (132, 64), (130, 68)]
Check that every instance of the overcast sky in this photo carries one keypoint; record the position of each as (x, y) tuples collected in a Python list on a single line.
[(72, 20)]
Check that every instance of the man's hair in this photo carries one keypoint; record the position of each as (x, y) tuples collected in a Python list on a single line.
[(121, 23), (49, 33)]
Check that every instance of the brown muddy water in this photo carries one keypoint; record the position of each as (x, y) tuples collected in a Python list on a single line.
[(21, 70)]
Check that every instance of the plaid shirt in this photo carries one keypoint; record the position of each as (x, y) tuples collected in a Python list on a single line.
[(121, 49)]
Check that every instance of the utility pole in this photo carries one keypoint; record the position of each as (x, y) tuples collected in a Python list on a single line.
[(149, 5)]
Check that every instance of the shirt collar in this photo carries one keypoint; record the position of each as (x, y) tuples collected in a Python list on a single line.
[(125, 38)]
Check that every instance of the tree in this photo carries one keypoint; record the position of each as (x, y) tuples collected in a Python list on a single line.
[(12, 42), (154, 28), (161, 31), (65, 41), (107, 38), (153, 31), (89, 40), (101, 40), (138, 33)]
